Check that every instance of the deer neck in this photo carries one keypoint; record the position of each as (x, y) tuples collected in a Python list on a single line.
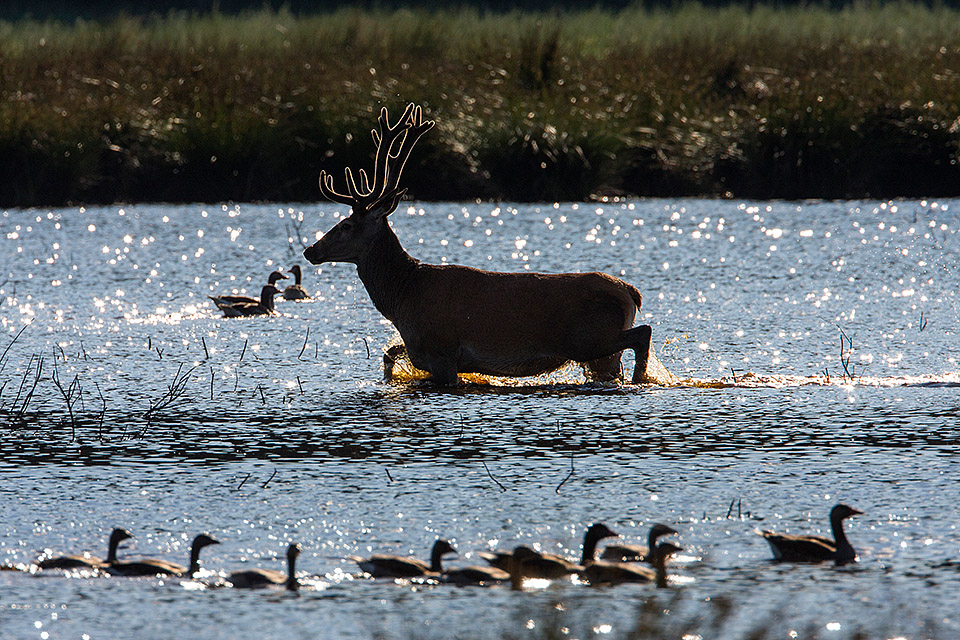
[(386, 271)]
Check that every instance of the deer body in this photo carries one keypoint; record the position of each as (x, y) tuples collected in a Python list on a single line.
[(456, 319)]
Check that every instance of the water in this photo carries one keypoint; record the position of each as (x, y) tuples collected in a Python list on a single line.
[(173, 420)]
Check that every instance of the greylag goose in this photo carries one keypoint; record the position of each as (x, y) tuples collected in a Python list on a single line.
[(388, 566), (296, 291), (474, 575), (262, 307), (636, 552), (271, 279), (86, 561), (548, 565), (253, 578), (153, 566), (810, 548), (606, 572)]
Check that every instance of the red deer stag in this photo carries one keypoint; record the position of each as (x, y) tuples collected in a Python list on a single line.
[(456, 319)]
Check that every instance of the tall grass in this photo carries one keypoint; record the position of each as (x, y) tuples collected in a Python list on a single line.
[(768, 102)]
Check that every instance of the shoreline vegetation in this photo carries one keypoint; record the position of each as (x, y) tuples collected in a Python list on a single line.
[(753, 103)]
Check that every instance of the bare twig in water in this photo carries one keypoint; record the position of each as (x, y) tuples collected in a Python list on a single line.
[(569, 475), (243, 351), (211, 383), (269, 479), (734, 372), (301, 385), (263, 398), (304, 347), (68, 396), (367, 345), (294, 226), (739, 503), (36, 380), (3, 356), (159, 353), (243, 482), (389, 477), (205, 352), (103, 412), (502, 488), (174, 392), (846, 349), (923, 322)]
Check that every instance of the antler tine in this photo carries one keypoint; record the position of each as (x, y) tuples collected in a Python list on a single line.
[(384, 139), (417, 126), (326, 188)]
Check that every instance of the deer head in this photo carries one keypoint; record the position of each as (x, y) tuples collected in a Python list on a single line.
[(371, 203)]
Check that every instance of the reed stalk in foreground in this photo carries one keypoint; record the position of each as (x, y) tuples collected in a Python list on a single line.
[(783, 102)]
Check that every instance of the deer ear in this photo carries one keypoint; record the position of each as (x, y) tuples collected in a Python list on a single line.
[(387, 203)]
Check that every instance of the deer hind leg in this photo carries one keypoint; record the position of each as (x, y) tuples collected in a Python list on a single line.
[(638, 339)]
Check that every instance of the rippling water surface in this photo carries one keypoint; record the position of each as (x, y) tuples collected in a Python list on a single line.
[(813, 355)]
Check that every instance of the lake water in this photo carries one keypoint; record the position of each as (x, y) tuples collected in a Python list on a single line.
[(815, 344)]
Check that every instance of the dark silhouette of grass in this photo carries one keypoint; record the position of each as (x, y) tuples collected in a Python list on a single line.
[(771, 103)]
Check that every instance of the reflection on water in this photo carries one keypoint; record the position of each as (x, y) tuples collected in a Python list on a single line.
[(809, 355)]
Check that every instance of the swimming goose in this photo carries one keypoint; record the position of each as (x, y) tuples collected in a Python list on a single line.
[(262, 307), (253, 578), (153, 566), (548, 565), (810, 548), (606, 572), (636, 552), (388, 566), (86, 561), (474, 575), (296, 291), (272, 279)]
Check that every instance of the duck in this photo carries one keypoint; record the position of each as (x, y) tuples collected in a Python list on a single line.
[(296, 291), (389, 566), (87, 561), (254, 578), (548, 565), (153, 566), (607, 572), (810, 548), (271, 279), (637, 552), (262, 307)]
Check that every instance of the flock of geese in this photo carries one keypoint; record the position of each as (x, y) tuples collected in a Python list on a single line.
[(234, 306), (617, 563)]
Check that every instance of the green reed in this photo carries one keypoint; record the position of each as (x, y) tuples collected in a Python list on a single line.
[(766, 102)]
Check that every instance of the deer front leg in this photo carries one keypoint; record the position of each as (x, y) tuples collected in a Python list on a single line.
[(441, 365), (390, 357)]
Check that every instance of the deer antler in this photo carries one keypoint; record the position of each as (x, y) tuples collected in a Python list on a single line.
[(387, 166)]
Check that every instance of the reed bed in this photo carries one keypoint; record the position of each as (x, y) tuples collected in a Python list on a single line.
[(764, 102)]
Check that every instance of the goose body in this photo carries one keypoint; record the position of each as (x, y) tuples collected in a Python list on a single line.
[(636, 552), (475, 576), (548, 565), (255, 578), (262, 307), (272, 279), (390, 566), (296, 291), (607, 572), (87, 561), (811, 548), (153, 566)]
